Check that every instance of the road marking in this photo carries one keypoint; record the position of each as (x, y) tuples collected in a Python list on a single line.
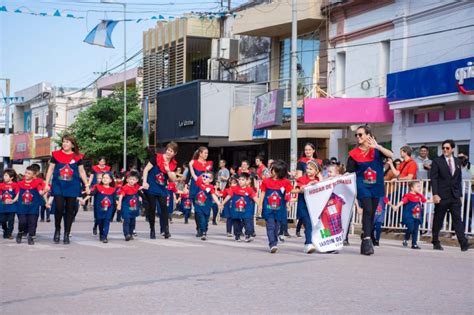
[(169, 243)]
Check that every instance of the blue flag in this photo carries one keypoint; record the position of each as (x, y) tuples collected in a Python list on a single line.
[(101, 35)]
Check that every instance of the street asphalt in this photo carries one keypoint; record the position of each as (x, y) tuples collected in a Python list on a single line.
[(220, 276)]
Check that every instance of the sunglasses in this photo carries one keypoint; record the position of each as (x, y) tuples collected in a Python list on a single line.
[(358, 135), (206, 177), (447, 148)]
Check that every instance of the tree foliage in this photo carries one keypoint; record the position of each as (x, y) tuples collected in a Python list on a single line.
[(99, 129)]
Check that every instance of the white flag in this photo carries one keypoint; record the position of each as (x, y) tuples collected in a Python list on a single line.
[(101, 35), (330, 204)]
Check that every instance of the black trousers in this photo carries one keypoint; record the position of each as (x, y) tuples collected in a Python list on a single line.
[(151, 212), (454, 207), (27, 224), (368, 205), (64, 206)]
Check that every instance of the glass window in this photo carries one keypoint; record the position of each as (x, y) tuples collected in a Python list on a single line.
[(433, 116), (308, 49), (465, 113), (450, 114), (420, 118)]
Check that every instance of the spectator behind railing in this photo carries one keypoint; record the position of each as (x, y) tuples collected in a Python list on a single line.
[(423, 162), (408, 168)]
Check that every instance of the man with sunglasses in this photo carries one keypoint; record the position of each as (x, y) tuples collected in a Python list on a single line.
[(447, 193)]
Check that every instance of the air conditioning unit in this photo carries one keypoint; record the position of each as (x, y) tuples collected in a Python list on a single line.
[(228, 49)]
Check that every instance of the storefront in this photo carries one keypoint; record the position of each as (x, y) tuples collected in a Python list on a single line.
[(432, 104)]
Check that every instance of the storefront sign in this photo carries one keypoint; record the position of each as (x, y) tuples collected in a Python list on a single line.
[(267, 110), (185, 123), (22, 146), (43, 147), (445, 78), (27, 121)]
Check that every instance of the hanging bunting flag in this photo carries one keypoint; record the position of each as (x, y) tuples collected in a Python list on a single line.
[(153, 17), (57, 13), (18, 11), (161, 17), (101, 35), (69, 15), (3, 9)]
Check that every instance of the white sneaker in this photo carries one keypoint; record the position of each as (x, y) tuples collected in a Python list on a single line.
[(230, 235), (281, 238), (309, 249), (274, 249)]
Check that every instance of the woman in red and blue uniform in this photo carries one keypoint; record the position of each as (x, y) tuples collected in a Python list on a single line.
[(102, 167), (309, 154), (29, 201), (65, 172), (8, 194), (273, 202), (366, 160), (156, 175), (129, 204), (197, 166)]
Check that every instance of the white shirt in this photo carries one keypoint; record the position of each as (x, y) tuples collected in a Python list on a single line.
[(452, 164)]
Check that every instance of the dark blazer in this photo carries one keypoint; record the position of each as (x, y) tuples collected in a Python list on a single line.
[(444, 184)]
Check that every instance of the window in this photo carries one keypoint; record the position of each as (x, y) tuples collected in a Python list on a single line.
[(341, 73), (463, 148), (433, 116), (36, 124), (420, 118), (450, 114), (465, 113)]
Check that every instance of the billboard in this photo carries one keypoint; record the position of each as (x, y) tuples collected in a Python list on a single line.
[(268, 109), (43, 147), (27, 121), (22, 146)]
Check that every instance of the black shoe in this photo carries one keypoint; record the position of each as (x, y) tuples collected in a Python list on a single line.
[(366, 247), (346, 243), (105, 240), (167, 235), (198, 234), (31, 241), (254, 234), (214, 223), (128, 238), (437, 246), (19, 236), (48, 220), (287, 235), (466, 247), (152, 234), (66, 239), (415, 246), (376, 243), (57, 236), (405, 243), (101, 239), (94, 230), (298, 234)]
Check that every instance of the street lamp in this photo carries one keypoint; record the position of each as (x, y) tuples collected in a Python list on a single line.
[(124, 77)]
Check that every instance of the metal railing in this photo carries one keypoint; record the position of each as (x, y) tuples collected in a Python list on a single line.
[(395, 190)]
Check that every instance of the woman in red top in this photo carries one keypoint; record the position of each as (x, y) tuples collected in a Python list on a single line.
[(309, 154), (65, 173), (97, 169)]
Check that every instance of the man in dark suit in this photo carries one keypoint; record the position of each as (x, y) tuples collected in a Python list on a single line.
[(447, 193)]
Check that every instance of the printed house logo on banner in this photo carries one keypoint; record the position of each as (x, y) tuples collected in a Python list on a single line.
[(330, 205)]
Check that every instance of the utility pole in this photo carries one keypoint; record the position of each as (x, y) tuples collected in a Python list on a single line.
[(7, 106), (294, 122)]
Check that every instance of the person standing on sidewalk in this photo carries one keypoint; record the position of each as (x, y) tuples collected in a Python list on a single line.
[(446, 185)]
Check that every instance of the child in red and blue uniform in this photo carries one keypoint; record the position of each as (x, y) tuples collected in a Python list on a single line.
[(104, 203), (378, 220), (225, 213), (170, 200), (302, 213), (8, 192), (273, 203), (412, 216), (185, 205), (129, 204), (242, 208), (203, 202), (29, 201), (66, 171)]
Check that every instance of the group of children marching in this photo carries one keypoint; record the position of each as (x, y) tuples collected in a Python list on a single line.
[(236, 203)]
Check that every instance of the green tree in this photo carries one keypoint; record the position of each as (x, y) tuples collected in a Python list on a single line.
[(99, 129)]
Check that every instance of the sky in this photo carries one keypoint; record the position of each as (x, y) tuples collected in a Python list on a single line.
[(45, 48)]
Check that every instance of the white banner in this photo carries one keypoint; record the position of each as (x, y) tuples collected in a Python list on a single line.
[(330, 204)]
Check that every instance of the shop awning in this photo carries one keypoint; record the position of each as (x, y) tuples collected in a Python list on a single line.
[(346, 111)]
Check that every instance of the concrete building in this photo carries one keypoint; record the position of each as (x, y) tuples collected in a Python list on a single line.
[(46, 111), (392, 49)]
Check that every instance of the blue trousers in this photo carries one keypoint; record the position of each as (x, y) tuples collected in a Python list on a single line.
[(128, 226), (215, 211), (273, 227), (412, 229), (202, 220), (283, 227), (239, 225), (228, 225), (378, 230), (7, 219), (104, 225), (27, 223), (308, 229)]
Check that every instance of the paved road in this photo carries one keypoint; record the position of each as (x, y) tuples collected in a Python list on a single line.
[(187, 275)]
